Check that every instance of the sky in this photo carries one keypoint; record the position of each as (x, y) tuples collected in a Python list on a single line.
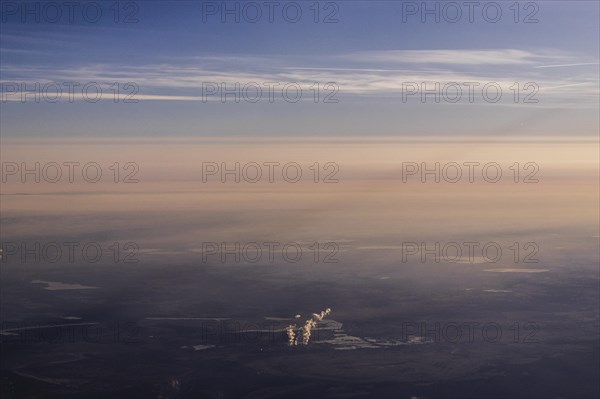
[(371, 62)]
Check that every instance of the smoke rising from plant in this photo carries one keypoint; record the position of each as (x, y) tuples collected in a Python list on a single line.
[(302, 335)]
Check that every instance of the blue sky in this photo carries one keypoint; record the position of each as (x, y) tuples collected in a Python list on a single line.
[(372, 54)]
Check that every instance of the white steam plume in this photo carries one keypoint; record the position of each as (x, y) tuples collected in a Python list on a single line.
[(306, 330), (292, 339)]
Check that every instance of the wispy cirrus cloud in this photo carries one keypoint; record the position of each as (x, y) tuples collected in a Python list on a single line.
[(356, 74), (448, 57), (568, 65)]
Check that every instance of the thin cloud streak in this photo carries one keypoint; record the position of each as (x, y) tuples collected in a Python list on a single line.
[(568, 65)]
